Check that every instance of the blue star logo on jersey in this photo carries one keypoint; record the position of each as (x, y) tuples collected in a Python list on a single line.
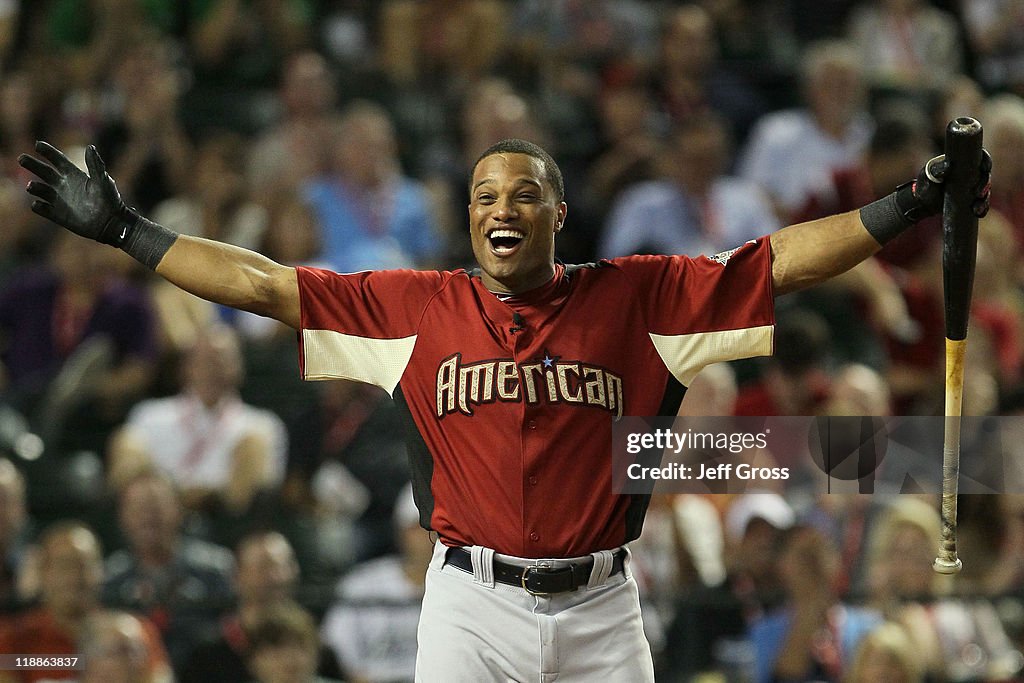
[(548, 361)]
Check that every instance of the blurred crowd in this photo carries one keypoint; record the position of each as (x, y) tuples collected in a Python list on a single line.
[(175, 504)]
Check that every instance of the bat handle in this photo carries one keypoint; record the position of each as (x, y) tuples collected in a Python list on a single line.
[(947, 561)]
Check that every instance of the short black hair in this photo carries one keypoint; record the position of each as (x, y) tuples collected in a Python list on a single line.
[(518, 146)]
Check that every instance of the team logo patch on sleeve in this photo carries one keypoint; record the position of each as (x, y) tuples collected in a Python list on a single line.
[(723, 257)]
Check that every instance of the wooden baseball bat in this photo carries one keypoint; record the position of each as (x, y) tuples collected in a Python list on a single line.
[(959, 250)]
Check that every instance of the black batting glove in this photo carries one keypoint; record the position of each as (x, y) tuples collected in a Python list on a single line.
[(88, 205), (924, 196)]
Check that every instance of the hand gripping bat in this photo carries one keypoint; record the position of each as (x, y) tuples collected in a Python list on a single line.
[(959, 249)]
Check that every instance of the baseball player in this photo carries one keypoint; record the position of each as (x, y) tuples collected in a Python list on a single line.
[(510, 376)]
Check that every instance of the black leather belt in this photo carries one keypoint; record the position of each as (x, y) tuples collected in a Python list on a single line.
[(536, 578)]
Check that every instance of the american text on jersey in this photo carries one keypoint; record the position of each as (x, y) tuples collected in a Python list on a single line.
[(461, 386)]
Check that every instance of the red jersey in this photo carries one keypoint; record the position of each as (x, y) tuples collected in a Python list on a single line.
[(510, 402)]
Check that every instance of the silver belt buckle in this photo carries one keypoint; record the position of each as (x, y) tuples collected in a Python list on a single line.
[(543, 564)]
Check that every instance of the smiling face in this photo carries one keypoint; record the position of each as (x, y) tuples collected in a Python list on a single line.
[(514, 215)]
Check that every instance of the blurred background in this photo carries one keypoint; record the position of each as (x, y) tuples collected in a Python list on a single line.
[(175, 502)]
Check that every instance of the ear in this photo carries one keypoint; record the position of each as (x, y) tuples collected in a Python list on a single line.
[(560, 218)]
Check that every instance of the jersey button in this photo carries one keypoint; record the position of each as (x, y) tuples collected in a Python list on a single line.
[(534, 536), (532, 424), (533, 480)]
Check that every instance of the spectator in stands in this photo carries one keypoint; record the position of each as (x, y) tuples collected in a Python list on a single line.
[(709, 629), (373, 216), (70, 567), (283, 647), (907, 45), (291, 151), (831, 131), (435, 42), (858, 390), (143, 140), (629, 128), (88, 36), (886, 654), (712, 393), (999, 300), (697, 209), (428, 62), (182, 583), (995, 33), (215, 202), (990, 530), (959, 640), (562, 54), (691, 82), (266, 577), (680, 552), (75, 314), (372, 626), (813, 635), (900, 139), (115, 649), (494, 109), (219, 451), (14, 530), (355, 431), (242, 43), (1003, 119)]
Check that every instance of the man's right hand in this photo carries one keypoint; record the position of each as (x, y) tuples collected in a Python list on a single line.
[(88, 205), (925, 195)]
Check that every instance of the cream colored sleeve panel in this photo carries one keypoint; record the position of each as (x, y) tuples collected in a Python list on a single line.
[(686, 354), (332, 355)]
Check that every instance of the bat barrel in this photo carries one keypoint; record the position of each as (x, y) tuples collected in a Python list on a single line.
[(959, 224)]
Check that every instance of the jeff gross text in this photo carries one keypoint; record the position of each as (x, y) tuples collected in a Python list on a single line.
[(704, 471), (676, 442)]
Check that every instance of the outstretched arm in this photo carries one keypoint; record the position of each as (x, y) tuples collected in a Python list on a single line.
[(90, 205), (809, 253), (232, 276)]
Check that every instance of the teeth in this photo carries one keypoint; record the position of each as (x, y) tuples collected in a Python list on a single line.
[(516, 234)]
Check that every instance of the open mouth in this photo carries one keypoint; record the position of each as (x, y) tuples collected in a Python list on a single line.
[(504, 241)]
